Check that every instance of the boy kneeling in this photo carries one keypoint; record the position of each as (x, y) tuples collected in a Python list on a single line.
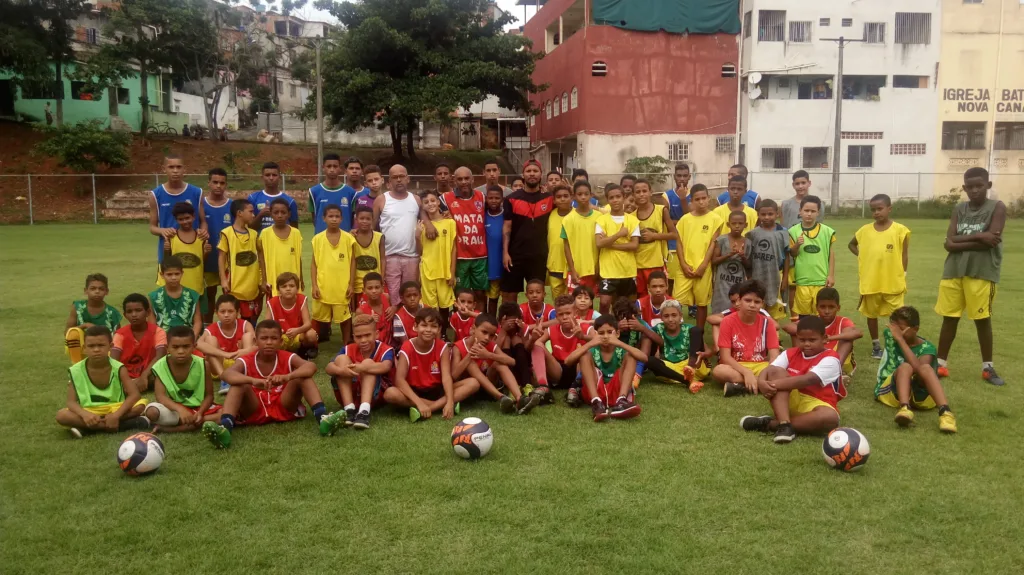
[(803, 385), (183, 386), (365, 369)]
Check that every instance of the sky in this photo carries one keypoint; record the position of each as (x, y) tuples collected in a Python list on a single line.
[(311, 13)]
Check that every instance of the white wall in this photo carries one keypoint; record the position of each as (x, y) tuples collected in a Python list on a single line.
[(226, 112), (607, 154)]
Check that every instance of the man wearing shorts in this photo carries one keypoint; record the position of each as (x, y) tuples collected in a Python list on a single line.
[(466, 205), (526, 233), (396, 213)]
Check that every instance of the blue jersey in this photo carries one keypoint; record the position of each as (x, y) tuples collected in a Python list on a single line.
[(493, 224), (262, 199), (165, 203), (217, 219), (675, 211), (593, 202), (322, 197), (750, 198)]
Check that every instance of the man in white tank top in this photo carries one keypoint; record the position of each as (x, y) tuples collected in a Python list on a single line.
[(396, 213)]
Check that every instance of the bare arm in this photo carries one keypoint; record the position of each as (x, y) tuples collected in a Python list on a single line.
[(849, 333), (72, 320), (506, 235), (582, 350), (855, 249), (707, 256), (568, 259), (234, 376), (632, 351), (906, 253), (131, 393), (631, 246), (717, 256)]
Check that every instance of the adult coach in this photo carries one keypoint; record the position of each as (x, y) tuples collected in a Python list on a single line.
[(751, 198), (162, 222), (396, 213), (466, 205), (525, 233), (492, 172)]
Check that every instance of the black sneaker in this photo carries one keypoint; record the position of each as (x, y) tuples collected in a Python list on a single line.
[(573, 398), (526, 403), (599, 410), (507, 405), (785, 433), (361, 420), (350, 416), (544, 395), (141, 423), (311, 353), (733, 389), (755, 423), (625, 409), (876, 351)]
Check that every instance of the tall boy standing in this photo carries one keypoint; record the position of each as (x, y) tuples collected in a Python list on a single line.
[(737, 189), (769, 259), (617, 238), (189, 248), (281, 245), (579, 239), (656, 229), (494, 221), (161, 220), (437, 258), (814, 260), (263, 199), (331, 272), (217, 215), (330, 192), (697, 233)]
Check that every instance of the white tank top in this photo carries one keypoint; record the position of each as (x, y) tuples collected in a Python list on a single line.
[(398, 221)]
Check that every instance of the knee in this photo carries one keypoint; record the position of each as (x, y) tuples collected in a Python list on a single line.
[(723, 373), (152, 413), (63, 416)]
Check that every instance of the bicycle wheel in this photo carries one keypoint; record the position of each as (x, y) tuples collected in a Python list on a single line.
[(172, 131)]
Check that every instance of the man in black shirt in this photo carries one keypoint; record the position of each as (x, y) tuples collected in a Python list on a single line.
[(525, 233)]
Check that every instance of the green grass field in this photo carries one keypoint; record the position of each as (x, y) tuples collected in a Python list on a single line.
[(679, 490)]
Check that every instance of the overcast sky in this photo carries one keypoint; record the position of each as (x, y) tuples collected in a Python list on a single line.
[(311, 13)]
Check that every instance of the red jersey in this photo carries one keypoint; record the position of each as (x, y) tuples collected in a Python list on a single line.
[(461, 326), (383, 325), (136, 355), (561, 344), (650, 313), (825, 365), (471, 236), (381, 352), (529, 318), (484, 364), (424, 368), (225, 341), (282, 364), (587, 317), (749, 343), (835, 328), (404, 324), (289, 318)]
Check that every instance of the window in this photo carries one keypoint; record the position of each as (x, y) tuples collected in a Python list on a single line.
[(46, 91), (728, 70), (847, 22), (824, 22), (860, 156), (776, 159), (1009, 136), (281, 28), (913, 28), (557, 107), (771, 25), (816, 89), (280, 86), (800, 32), (565, 101), (861, 135), (725, 144), (533, 120), (746, 24), (679, 151), (123, 96), (91, 36), (599, 69), (783, 82), (291, 91), (963, 135), (78, 92), (574, 98), (907, 149), (874, 33), (294, 29), (815, 158), (909, 81), (547, 109), (972, 1)]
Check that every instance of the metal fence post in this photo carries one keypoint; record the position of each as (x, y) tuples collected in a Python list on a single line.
[(863, 193), (95, 218), (284, 179), (919, 193), (31, 219), (156, 179)]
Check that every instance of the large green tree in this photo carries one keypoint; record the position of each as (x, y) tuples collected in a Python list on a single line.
[(402, 60)]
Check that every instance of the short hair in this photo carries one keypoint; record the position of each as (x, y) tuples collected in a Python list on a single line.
[(639, 181), (801, 174), (609, 188), (361, 319), (171, 263), (330, 207), (238, 206), (581, 184), (657, 275), (286, 277), (738, 179), (492, 163), (681, 166), (459, 291), (811, 323), (96, 278), (363, 209), (976, 172), (270, 166), (495, 188), (627, 177), (181, 331), (735, 289), (509, 309), (559, 188), (564, 299), (440, 165), (811, 200), (699, 188), (623, 308), (182, 208), (535, 281), (767, 203), (426, 314), (353, 160), (136, 298), (280, 202), (742, 168), (907, 314), (430, 192), (580, 172), (171, 157), (884, 198), (517, 179), (751, 286), (372, 277), (485, 318), (669, 304), (606, 319), (827, 294), (406, 287), (99, 330), (268, 324), (553, 173), (740, 213), (372, 169), (582, 289), (227, 298), (216, 172), (331, 156)]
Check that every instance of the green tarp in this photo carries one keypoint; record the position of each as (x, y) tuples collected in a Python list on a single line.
[(676, 16)]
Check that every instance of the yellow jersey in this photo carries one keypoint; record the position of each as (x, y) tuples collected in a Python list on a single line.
[(696, 233), (333, 266), (367, 259), (556, 247), (243, 262), (579, 232), (281, 255), (436, 260), (652, 254), (724, 210), (880, 263), (618, 264), (192, 258)]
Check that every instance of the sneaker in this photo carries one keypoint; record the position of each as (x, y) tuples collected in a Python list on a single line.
[(947, 422), (543, 394), (599, 410), (692, 311), (526, 403), (312, 352), (361, 420), (904, 417), (785, 433), (75, 433), (755, 423), (527, 389), (573, 399), (218, 435), (696, 386), (224, 387), (506, 404), (625, 409), (332, 422), (732, 389), (414, 414), (846, 379), (140, 423), (689, 373), (350, 416), (989, 374), (876, 351), (943, 371)]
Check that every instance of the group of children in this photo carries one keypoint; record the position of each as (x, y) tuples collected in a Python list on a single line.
[(439, 346)]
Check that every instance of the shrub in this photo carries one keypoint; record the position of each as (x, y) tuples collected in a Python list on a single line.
[(85, 146)]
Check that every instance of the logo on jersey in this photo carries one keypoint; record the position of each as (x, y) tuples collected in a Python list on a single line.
[(478, 206), (889, 248), (245, 258), (812, 249), (434, 367), (189, 260), (291, 250), (704, 228), (341, 257), (227, 218), (764, 245), (344, 202)]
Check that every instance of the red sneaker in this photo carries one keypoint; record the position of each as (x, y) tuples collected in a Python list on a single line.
[(943, 371)]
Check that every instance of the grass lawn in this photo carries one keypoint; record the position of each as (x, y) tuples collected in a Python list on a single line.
[(679, 490)]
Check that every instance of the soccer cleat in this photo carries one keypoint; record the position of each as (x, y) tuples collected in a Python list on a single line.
[(224, 387), (689, 373), (312, 352), (947, 422), (140, 423), (218, 435), (692, 311), (732, 389), (332, 422), (414, 414), (785, 433), (350, 416), (458, 408), (755, 423), (543, 394), (75, 433), (361, 420), (989, 374), (527, 389), (506, 404), (876, 351), (600, 411), (625, 409), (943, 371), (636, 381), (573, 399), (904, 417), (526, 403), (696, 386)]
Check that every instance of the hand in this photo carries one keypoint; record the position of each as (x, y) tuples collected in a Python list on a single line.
[(595, 342), (185, 416), (573, 277), (830, 281), (633, 324), (356, 368), (293, 332), (897, 331), (646, 235), (536, 332), (623, 324), (389, 313), (521, 325), (225, 285), (196, 418), (767, 389), (577, 330), (507, 261), (206, 249), (92, 420), (451, 281), (111, 422), (751, 382), (315, 293), (477, 351), (350, 291), (449, 410), (168, 233), (430, 230), (989, 238), (623, 232), (266, 289), (800, 240), (276, 380), (699, 272), (261, 384), (302, 285), (424, 409), (688, 271), (203, 235), (608, 339)]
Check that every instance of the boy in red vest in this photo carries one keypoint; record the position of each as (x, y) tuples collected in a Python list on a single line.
[(374, 302), (478, 356), (362, 369), (139, 344), (564, 337), (226, 339), (288, 308), (404, 325), (465, 315)]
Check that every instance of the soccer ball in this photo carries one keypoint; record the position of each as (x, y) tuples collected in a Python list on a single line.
[(140, 454), (472, 438), (845, 449)]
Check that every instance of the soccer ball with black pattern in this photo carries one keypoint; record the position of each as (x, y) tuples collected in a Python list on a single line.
[(472, 438), (845, 449), (140, 454)]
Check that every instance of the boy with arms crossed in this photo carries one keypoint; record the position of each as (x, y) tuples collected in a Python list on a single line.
[(617, 239), (139, 344), (182, 385), (478, 356), (363, 369)]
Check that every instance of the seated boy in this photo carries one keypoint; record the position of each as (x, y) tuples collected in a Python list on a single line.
[(634, 331), (551, 351), (139, 344), (364, 368), (803, 386), (423, 378), (375, 302), (462, 321), (840, 332), (584, 299), (85, 313), (681, 348), (512, 339), (907, 372), (174, 304), (650, 304), (715, 319), (608, 365), (182, 385), (267, 386), (404, 325), (747, 342), (478, 356), (101, 396), (288, 308), (226, 339), (535, 310)]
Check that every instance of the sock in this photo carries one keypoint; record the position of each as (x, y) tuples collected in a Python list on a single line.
[(986, 365), (596, 399), (364, 407), (875, 343), (943, 409), (523, 366), (351, 406), (640, 366), (942, 362), (319, 411), (540, 367), (227, 421), (907, 405)]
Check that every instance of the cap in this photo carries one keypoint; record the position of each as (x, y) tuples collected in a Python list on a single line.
[(532, 161)]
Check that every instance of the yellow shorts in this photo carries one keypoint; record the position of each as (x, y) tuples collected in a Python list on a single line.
[(919, 397), (805, 301), (557, 285), (690, 291), (801, 403), (700, 372), (672, 266), (212, 279), (878, 305), (972, 295), (437, 294), (755, 366), (792, 275), (494, 291), (330, 313), (110, 407), (849, 365), (778, 311), (288, 343), (228, 362)]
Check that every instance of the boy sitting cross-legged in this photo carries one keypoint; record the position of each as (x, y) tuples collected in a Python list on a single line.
[(139, 344), (803, 385), (85, 313), (747, 342), (478, 356), (364, 368), (608, 365), (182, 385), (226, 339), (511, 339), (681, 348), (267, 386), (423, 378), (462, 321), (551, 351), (288, 308)]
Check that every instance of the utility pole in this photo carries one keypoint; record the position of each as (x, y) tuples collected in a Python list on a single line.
[(319, 115), (837, 92)]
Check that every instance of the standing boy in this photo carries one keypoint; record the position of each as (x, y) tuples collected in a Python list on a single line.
[(331, 271), (369, 249), (556, 252), (281, 245), (466, 205), (494, 221), (438, 259), (492, 175), (241, 261), (656, 229), (85, 313), (330, 192), (262, 200), (172, 303), (617, 240), (768, 257), (579, 238), (217, 213), (737, 190), (731, 260), (677, 203), (369, 194), (190, 249), (697, 233), (751, 198), (139, 344), (814, 260), (791, 207), (161, 221)]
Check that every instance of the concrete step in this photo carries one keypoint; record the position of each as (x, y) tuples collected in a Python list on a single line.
[(122, 214)]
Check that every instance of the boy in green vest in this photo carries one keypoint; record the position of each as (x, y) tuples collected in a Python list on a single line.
[(182, 385), (172, 303), (101, 395), (85, 313), (814, 260)]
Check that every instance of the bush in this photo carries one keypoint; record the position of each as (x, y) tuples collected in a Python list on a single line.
[(654, 168), (84, 147)]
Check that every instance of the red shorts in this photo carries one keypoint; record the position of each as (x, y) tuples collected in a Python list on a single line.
[(607, 391), (250, 310), (271, 410), (378, 391), (213, 409), (643, 277)]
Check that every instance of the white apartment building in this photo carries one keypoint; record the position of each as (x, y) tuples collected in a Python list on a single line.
[(787, 105)]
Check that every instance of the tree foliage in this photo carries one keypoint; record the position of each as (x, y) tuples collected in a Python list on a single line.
[(653, 168), (85, 146)]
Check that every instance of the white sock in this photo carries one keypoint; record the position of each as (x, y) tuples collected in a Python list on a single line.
[(875, 342), (350, 406), (986, 364), (942, 362), (364, 407)]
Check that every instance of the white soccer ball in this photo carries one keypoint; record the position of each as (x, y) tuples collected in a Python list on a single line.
[(140, 454), (845, 449), (472, 438)]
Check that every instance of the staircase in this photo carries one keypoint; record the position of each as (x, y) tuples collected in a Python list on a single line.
[(128, 205)]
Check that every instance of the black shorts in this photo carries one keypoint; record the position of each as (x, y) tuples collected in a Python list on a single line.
[(568, 378), (621, 287), (429, 393), (523, 270)]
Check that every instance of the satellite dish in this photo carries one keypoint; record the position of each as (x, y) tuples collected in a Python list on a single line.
[(754, 78), (754, 93)]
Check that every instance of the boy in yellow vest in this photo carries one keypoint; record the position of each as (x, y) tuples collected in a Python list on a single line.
[(190, 248), (281, 245), (241, 261), (656, 229), (331, 273), (618, 237), (369, 249), (437, 259), (697, 232)]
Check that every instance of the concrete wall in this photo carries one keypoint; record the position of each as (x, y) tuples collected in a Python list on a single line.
[(226, 112)]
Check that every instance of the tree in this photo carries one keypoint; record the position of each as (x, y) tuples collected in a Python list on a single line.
[(654, 168), (399, 60)]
